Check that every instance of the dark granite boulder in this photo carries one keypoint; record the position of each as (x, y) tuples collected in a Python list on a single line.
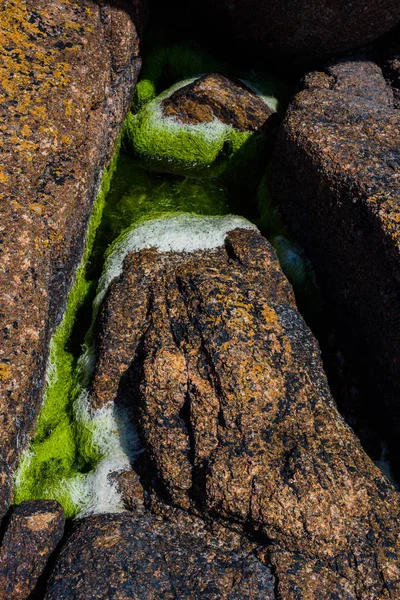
[(301, 30), (33, 531), (236, 417), (137, 557), (67, 75), (335, 173)]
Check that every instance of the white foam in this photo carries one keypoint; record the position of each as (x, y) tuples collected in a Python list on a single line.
[(271, 101), (179, 233), (116, 441)]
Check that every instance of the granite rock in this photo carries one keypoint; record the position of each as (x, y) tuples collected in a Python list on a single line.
[(335, 173), (137, 557), (67, 77), (236, 418), (219, 97), (33, 531), (301, 30)]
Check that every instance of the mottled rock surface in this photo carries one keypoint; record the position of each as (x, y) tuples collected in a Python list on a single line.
[(66, 78), (237, 419), (216, 96), (336, 175), (33, 532), (137, 557), (302, 29)]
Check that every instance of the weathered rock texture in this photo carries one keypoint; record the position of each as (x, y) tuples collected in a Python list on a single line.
[(67, 73), (336, 175), (33, 532), (218, 97), (136, 557), (303, 29), (237, 419)]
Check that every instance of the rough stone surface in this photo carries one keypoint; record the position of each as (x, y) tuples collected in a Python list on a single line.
[(67, 74), (216, 96), (237, 419), (33, 532), (137, 557), (303, 29), (336, 174)]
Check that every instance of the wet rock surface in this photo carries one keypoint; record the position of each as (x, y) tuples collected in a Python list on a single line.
[(336, 175), (303, 30), (33, 531), (216, 96), (236, 417), (136, 556), (67, 76)]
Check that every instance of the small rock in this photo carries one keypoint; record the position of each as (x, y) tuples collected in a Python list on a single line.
[(33, 532), (218, 97)]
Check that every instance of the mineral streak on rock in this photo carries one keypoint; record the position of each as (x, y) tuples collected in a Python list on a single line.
[(335, 173), (33, 532), (66, 78), (137, 557), (237, 419), (218, 97)]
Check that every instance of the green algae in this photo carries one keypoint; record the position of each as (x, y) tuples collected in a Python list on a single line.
[(137, 194), (54, 452), (213, 170), (63, 449), (203, 150)]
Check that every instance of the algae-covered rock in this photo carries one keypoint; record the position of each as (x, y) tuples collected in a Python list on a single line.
[(66, 81), (199, 337), (202, 127)]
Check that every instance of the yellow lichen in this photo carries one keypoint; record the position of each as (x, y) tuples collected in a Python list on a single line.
[(5, 372)]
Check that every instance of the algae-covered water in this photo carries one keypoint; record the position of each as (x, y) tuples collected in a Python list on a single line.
[(212, 171)]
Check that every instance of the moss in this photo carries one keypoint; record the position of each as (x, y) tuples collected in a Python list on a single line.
[(54, 453)]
